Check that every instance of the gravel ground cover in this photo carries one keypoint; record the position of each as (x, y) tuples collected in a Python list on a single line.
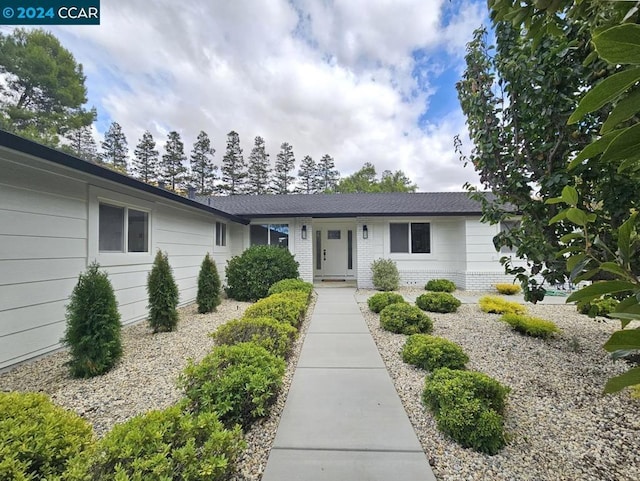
[(560, 425)]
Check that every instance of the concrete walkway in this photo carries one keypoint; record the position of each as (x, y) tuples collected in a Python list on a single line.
[(343, 420)]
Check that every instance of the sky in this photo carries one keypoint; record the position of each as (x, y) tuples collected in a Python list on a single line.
[(360, 80)]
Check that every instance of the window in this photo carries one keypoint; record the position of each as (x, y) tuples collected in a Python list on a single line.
[(115, 224), (333, 234), (414, 238), (221, 234), (269, 234)]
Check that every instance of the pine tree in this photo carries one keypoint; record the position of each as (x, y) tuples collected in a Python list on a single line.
[(203, 171), (258, 175), (234, 168), (307, 176), (327, 175), (82, 144), (172, 168), (285, 164), (208, 297), (115, 148), (163, 295), (145, 161)]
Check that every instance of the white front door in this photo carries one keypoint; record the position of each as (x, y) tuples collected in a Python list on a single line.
[(334, 251)]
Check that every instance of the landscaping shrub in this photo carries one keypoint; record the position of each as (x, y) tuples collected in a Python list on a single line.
[(93, 325), (163, 295), (238, 382), (385, 275), (291, 285), (508, 289), (284, 307), (598, 307), (437, 302), (403, 318), (440, 285), (431, 353), (250, 275), (208, 297), (468, 406), (37, 438), (531, 326), (498, 305), (275, 336), (379, 301), (165, 445)]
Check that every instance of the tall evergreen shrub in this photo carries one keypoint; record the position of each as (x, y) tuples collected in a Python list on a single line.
[(163, 295), (93, 325), (208, 297)]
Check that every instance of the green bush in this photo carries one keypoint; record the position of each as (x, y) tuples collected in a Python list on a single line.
[(440, 285), (37, 438), (498, 305), (165, 445), (385, 275), (238, 382), (291, 285), (275, 336), (598, 307), (284, 307), (250, 275), (163, 295), (93, 325), (468, 406), (379, 301), (508, 289), (531, 326), (431, 353), (403, 318), (438, 302), (208, 297)]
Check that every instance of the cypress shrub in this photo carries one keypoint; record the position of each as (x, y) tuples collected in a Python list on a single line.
[(208, 297), (93, 325), (163, 295)]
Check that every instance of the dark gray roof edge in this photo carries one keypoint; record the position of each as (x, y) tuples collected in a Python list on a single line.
[(341, 215), (25, 146)]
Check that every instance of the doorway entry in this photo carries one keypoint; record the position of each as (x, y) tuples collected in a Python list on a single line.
[(334, 251)]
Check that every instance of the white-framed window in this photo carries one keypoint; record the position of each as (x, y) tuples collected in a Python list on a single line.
[(122, 229), (221, 234), (410, 237), (269, 234)]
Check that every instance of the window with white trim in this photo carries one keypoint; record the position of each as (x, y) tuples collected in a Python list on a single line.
[(122, 229), (410, 238), (269, 234), (221, 234)]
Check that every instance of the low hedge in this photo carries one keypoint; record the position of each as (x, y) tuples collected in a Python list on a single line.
[(440, 285), (403, 318), (438, 302), (530, 326), (598, 307), (286, 285), (284, 307), (431, 353), (275, 336), (508, 289), (379, 301), (498, 305)]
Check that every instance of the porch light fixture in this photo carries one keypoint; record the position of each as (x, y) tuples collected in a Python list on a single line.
[(365, 232), (303, 234)]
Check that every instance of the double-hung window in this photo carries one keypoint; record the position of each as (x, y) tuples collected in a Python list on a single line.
[(221, 234), (122, 229), (410, 237)]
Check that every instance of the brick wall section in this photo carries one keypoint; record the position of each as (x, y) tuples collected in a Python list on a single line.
[(304, 248), (365, 252)]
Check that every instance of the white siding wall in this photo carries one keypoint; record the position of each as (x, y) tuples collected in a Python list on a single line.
[(483, 268)]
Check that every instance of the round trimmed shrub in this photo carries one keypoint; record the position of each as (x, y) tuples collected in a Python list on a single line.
[(93, 331), (238, 382), (276, 337), (431, 353), (508, 289), (530, 326), (284, 307), (250, 275), (37, 438), (385, 275), (438, 302), (379, 301), (208, 297), (403, 318), (286, 285), (598, 307), (163, 295), (440, 285)]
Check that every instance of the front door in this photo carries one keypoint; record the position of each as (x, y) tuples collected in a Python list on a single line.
[(333, 246)]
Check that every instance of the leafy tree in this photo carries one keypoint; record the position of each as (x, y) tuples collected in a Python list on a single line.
[(145, 161), (82, 144), (115, 148), (43, 93), (327, 176), (285, 164), (172, 168), (163, 295), (307, 176), (203, 171), (259, 170), (396, 182), (365, 180), (234, 168), (208, 297)]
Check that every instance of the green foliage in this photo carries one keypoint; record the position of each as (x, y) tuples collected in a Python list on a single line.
[(163, 295), (145, 160), (440, 285), (530, 326), (468, 406), (114, 148), (403, 318), (238, 382), (234, 168), (498, 305), (285, 163), (290, 285), (208, 297), (385, 275), (431, 353), (37, 438), (93, 325), (203, 170), (598, 307), (508, 289), (326, 174), (275, 336), (172, 168), (165, 445), (250, 275), (379, 301), (438, 302), (259, 169), (288, 307), (365, 180)]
